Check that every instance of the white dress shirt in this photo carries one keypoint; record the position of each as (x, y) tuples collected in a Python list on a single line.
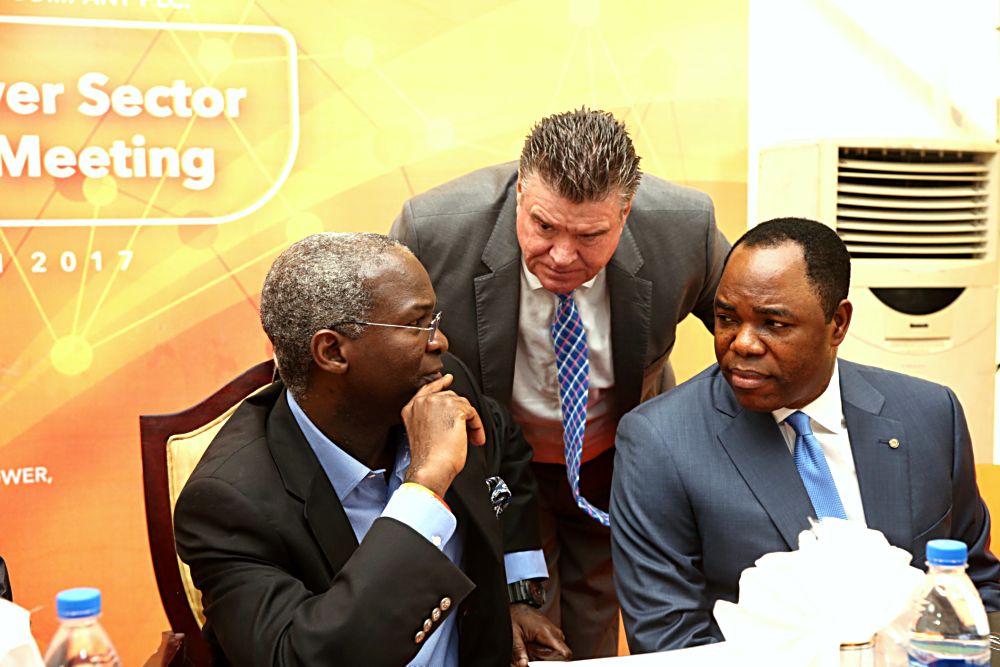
[(535, 396), (826, 417)]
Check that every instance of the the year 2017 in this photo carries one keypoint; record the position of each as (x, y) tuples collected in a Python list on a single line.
[(69, 261)]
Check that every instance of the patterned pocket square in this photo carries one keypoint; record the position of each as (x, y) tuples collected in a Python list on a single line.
[(499, 494)]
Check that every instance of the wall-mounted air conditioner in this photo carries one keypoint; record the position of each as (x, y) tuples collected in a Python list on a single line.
[(920, 221)]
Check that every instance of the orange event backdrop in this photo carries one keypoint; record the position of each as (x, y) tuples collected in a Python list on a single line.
[(156, 155)]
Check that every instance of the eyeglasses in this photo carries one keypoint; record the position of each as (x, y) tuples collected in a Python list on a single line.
[(432, 328)]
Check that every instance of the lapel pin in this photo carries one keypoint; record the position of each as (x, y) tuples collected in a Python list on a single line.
[(894, 443)]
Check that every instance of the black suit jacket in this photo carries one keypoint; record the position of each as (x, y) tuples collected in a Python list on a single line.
[(667, 265), (283, 578)]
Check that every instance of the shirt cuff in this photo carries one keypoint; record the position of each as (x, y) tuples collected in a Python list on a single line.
[(422, 512), (525, 565)]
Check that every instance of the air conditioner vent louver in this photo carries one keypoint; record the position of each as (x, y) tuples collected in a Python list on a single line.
[(913, 203)]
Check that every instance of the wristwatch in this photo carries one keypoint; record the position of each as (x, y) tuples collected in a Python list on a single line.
[(528, 591)]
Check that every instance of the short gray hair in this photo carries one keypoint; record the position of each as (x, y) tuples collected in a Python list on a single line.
[(583, 155), (319, 281)]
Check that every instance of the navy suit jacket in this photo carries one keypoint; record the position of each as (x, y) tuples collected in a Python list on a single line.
[(703, 488)]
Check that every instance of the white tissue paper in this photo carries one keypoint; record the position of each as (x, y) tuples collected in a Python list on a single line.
[(844, 584), (17, 646)]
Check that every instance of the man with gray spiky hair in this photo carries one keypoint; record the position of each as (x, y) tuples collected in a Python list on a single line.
[(344, 515), (564, 278)]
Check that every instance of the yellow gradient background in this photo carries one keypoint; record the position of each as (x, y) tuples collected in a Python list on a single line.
[(394, 98)]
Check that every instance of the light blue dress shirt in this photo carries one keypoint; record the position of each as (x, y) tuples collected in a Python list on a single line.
[(366, 495)]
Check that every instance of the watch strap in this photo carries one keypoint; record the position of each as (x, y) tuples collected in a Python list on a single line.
[(528, 591)]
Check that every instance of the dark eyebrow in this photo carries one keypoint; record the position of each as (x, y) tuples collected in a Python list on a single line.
[(777, 312), (722, 305), (420, 307), (762, 310)]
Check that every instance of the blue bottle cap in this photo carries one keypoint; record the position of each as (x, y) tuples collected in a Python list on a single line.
[(947, 552), (78, 603)]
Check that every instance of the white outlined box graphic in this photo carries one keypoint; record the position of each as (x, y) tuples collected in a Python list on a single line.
[(252, 168)]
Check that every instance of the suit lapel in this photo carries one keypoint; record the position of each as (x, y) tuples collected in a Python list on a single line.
[(468, 491), (758, 450), (631, 300), (304, 478), (883, 471), (497, 303)]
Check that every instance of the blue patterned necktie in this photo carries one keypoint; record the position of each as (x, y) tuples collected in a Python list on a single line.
[(813, 469), (570, 343)]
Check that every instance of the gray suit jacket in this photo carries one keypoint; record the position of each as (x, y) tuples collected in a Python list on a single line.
[(703, 488), (667, 265)]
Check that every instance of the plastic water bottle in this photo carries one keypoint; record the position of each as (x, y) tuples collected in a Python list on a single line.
[(80, 639), (951, 628)]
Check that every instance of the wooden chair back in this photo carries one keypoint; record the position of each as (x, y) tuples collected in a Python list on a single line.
[(172, 445)]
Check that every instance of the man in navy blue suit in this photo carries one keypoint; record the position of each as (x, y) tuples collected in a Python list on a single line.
[(711, 476)]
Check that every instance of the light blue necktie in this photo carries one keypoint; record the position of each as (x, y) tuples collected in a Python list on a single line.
[(570, 343), (813, 469)]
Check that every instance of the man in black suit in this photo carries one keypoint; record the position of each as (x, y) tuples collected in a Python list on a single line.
[(342, 516)]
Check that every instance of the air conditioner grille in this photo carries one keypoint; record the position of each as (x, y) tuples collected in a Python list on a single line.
[(912, 203)]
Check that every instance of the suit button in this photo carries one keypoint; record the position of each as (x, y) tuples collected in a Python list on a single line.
[(428, 625), (445, 604), (419, 637), (435, 614), (894, 443)]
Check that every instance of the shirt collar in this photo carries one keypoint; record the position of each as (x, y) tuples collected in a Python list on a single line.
[(535, 284), (343, 470), (826, 410)]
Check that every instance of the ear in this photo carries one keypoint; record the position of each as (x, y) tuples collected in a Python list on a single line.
[(626, 210), (330, 351), (841, 322)]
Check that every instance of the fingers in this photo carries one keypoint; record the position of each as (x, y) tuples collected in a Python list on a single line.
[(475, 431), (544, 640), (553, 644), (462, 408), (519, 654), (435, 386), (474, 426), (540, 652), (550, 635)]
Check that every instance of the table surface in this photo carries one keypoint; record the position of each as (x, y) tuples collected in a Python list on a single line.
[(712, 655)]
